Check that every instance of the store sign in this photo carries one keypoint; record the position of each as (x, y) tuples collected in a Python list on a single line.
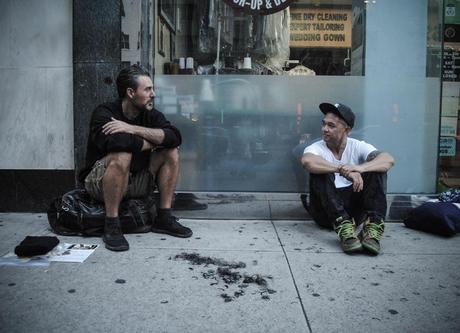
[(452, 12), (447, 146), (320, 28), (449, 126), (452, 33), (256, 7), (451, 65), (449, 106)]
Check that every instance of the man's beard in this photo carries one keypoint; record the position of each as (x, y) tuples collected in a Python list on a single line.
[(144, 107), (149, 106)]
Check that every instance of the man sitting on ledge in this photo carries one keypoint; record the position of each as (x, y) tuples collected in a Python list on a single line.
[(130, 147), (347, 182)]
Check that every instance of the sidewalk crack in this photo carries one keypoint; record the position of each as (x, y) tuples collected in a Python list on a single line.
[(290, 269)]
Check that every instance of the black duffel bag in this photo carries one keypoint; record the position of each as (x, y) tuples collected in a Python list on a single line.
[(77, 214), (442, 218)]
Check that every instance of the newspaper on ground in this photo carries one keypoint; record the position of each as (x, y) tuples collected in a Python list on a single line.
[(64, 252), (68, 252)]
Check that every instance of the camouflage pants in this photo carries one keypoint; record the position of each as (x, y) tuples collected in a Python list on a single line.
[(140, 184)]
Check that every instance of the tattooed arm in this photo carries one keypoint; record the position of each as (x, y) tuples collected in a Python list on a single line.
[(376, 161)]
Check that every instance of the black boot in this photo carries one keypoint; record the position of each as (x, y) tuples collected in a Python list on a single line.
[(187, 201), (113, 236), (165, 223)]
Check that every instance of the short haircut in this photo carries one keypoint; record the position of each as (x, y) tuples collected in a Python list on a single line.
[(127, 78)]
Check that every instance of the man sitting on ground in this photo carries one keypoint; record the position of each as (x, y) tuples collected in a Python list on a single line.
[(131, 146), (347, 181)]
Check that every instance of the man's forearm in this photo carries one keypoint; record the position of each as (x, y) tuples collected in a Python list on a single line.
[(318, 165), (147, 145), (152, 135), (381, 163)]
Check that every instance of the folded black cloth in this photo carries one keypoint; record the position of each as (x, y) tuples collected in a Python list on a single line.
[(36, 245)]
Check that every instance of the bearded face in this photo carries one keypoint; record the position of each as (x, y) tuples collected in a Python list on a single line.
[(143, 97)]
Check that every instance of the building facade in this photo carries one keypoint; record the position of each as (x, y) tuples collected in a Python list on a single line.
[(241, 84)]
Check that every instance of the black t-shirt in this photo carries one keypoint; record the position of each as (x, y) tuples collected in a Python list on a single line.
[(99, 144)]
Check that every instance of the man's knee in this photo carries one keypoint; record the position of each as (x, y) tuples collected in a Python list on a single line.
[(173, 155), (120, 162), (169, 156), (375, 180)]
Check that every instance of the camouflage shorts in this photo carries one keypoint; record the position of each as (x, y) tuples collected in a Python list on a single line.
[(140, 184)]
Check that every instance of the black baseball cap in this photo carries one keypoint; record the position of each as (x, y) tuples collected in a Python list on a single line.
[(340, 110)]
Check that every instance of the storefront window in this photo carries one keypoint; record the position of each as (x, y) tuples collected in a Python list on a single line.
[(449, 150), (244, 89), (306, 38)]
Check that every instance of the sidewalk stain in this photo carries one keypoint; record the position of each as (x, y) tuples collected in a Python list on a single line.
[(229, 199), (228, 274)]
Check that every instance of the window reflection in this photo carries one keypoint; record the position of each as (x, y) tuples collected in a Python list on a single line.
[(252, 103), (308, 38)]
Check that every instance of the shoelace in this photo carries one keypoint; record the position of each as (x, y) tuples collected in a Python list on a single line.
[(345, 230), (374, 230), (114, 229)]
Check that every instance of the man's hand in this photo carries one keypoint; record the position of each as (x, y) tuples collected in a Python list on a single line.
[(117, 126), (346, 169), (357, 180)]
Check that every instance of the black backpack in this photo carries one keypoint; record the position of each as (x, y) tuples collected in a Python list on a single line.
[(77, 214)]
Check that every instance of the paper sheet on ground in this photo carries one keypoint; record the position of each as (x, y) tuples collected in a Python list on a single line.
[(64, 252), (67, 252)]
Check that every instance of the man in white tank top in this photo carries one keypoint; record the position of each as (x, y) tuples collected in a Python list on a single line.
[(347, 181)]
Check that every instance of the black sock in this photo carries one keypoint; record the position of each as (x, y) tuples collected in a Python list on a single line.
[(164, 213)]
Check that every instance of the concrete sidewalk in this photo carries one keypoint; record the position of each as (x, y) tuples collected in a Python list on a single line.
[(295, 279)]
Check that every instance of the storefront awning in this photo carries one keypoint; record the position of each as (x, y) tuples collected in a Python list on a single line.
[(259, 7)]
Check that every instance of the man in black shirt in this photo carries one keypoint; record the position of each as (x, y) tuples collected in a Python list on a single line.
[(130, 146)]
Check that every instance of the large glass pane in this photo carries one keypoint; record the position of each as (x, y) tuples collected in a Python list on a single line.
[(244, 131), (136, 32), (240, 131), (401, 101), (308, 38), (449, 160)]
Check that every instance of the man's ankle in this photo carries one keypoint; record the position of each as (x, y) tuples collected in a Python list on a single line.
[(342, 218), (113, 235), (164, 213)]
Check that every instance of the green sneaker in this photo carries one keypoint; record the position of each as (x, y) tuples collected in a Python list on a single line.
[(371, 235), (347, 234)]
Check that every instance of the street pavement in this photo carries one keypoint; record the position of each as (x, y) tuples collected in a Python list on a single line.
[(235, 275)]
